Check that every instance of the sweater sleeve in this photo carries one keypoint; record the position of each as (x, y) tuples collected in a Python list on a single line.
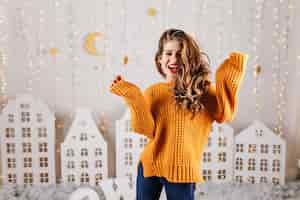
[(228, 80), (142, 121)]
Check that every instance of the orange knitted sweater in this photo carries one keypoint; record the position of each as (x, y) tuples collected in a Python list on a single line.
[(177, 141)]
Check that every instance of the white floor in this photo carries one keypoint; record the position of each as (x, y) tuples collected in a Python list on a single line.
[(228, 191)]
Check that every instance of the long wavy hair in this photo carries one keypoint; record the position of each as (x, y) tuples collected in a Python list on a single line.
[(192, 79)]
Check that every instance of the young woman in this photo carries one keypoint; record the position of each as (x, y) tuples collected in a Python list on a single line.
[(177, 115)]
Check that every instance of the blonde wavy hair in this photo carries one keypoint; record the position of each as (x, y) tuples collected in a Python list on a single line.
[(192, 80)]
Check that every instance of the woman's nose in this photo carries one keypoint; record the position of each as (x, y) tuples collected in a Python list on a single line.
[(173, 58)]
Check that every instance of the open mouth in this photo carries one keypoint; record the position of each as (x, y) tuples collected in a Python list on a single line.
[(173, 69)]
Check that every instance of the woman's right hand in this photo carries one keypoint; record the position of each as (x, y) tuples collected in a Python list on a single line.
[(116, 80), (124, 88)]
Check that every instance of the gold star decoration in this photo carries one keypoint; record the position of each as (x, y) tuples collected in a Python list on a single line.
[(151, 12), (53, 51), (125, 60), (258, 70)]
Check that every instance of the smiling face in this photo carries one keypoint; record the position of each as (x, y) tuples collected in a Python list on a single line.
[(170, 60)]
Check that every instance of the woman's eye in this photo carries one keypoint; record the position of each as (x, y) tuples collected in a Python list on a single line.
[(169, 54)]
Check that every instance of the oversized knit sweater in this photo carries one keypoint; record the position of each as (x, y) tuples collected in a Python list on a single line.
[(177, 141)]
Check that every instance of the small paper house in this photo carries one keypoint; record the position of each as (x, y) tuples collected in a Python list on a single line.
[(128, 148), (84, 152), (260, 155), (27, 142), (217, 158)]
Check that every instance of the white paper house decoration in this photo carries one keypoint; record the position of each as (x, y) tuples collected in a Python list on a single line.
[(260, 155), (27, 142), (128, 148), (84, 152), (217, 158)]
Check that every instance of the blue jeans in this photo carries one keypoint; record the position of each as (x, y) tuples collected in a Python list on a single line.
[(150, 188)]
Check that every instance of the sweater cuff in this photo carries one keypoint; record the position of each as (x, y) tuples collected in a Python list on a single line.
[(121, 88)]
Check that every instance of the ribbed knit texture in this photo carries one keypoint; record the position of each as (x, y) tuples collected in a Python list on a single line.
[(177, 141)]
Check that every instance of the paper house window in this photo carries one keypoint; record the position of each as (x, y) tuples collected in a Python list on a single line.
[(10, 132), (276, 166), (207, 157), (28, 178), (263, 165), (70, 152), (251, 164), (264, 148), (42, 132), (84, 152), (25, 117), (206, 173), (128, 126), (128, 143), (84, 164), (239, 148), (27, 147), (209, 142), (143, 142), (24, 106), (27, 162), (222, 156), (70, 164), (71, 178), (275, 181), (276, 149), (251, 179), (26, 132), (128, 158), (84, 178), (259, 132), (98, 178), (44, 177), (11, 118), (222, 141), (239, 164), (98, 152), (239, 179), (252, 148), (44, 162), (12, 178), (83, 137), (263, 179), (11, 163), (43, 147), (98, 163), (10, 148), (39, 117), (221, 174)]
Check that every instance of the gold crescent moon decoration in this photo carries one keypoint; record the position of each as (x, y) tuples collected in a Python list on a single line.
[(89, 43)]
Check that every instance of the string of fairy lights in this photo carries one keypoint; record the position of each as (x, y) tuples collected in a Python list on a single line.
[(256, 40), (3, 53), (280, 60)]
